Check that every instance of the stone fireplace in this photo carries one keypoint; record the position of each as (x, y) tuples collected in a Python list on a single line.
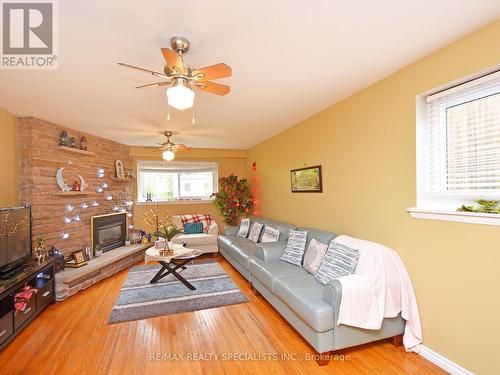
[(109, 230)]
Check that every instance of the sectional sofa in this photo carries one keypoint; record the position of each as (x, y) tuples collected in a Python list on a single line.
[(309, 306)]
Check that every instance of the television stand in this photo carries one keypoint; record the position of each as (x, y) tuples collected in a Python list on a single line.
[(40, 276), (16, 270)]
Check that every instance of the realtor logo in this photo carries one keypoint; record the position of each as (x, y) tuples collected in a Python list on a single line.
[(28, 35)]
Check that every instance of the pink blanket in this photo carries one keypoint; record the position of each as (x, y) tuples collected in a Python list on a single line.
[(380, 288)]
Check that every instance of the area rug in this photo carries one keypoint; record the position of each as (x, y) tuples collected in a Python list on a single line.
[(138, 299)]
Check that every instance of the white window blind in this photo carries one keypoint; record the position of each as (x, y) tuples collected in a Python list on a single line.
[(460, 145), (169, 181)]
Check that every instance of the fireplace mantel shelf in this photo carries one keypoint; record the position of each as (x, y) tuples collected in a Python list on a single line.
[(72, 280)]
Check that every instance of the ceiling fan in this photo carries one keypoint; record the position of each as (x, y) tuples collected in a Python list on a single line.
[(169, 148), (181, 78)]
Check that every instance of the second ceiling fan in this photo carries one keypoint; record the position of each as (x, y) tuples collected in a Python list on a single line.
[(181, 78)]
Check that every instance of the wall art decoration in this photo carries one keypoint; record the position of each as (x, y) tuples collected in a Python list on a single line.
[(306, 180)]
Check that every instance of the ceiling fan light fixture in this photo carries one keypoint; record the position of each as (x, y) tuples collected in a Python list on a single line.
[(180, 96), (168, 155)]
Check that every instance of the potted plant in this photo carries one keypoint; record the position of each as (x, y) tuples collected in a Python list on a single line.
[(167, 232), (128, 241), (233, 199), (98, 249)]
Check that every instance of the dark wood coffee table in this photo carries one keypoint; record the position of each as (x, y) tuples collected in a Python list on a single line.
[(171, 264)]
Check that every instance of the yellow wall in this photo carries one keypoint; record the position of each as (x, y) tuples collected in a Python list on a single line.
[(9, 161), (366, 145), (229, 162)]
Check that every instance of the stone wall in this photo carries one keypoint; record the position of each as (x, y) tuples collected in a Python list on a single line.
[(39, 160)]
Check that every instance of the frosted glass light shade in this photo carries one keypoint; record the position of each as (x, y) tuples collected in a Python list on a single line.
[(168, 155), (180, 96)]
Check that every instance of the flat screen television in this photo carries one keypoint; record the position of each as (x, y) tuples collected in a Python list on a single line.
[(15, 238)]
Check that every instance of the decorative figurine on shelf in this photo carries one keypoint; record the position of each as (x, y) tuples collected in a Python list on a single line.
[(119, 169), (76, 186), (73, 142), (83, 144), (41, 251), (148, 197), (64, 139)]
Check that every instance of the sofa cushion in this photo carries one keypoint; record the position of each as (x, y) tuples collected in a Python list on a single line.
[(304, 295), (318, 234), (242, 250), (314, 256), (283, 227), (294, 252), (254, 235), (193, 228), (195, 239), (268, 272), (244, 227), (339, 261), (270, 234)]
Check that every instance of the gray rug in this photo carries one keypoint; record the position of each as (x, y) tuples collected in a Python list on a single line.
[(139, 299)]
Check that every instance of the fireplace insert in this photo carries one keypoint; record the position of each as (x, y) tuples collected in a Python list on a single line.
[(109, 230)]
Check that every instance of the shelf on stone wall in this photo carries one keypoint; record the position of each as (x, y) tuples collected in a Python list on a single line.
[(75, 150), (72, 193)]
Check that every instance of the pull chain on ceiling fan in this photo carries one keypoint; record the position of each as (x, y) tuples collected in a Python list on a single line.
[(182, 78)]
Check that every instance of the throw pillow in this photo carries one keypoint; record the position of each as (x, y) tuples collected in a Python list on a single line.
[(255, 232), (193, 228), (339, 261), (270, 234), (295, 247), (314, 256), (244, 226)]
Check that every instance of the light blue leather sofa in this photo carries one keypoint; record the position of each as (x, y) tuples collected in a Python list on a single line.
[(309, 306)]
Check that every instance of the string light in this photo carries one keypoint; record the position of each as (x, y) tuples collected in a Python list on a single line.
[(67, 220)]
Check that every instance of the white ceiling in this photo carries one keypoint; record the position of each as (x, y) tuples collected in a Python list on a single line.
[(290, 59)]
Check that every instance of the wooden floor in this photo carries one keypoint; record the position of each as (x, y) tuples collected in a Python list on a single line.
[(73, 337)]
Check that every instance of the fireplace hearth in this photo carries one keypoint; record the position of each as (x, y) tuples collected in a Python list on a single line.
[(109, 230)]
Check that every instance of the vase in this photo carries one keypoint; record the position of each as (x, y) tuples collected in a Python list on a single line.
[(127, 243), (98, 253)]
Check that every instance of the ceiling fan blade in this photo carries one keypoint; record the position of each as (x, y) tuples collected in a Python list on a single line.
[(212, 72), (174, 61), (180, 147), (213, 88), (156, 74), (162, 83)]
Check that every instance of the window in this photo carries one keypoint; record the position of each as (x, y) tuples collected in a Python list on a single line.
[(167, 181), (458, 149)]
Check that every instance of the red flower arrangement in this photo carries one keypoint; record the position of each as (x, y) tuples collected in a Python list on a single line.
[(21, 298)]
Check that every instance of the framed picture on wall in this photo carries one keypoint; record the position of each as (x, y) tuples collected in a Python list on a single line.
[(307, 180)]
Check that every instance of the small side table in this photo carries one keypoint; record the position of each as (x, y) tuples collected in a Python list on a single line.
[(171, 263)]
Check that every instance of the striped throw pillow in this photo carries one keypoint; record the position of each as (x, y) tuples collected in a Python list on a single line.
[(339, 261), (295, 247)]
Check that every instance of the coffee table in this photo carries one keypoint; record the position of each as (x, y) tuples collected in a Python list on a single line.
[(171, 263)]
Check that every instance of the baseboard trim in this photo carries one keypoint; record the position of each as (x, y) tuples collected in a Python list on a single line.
[(443, 362)]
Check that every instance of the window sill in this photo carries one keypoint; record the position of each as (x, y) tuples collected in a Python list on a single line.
[(200, 201), (457, 216)]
